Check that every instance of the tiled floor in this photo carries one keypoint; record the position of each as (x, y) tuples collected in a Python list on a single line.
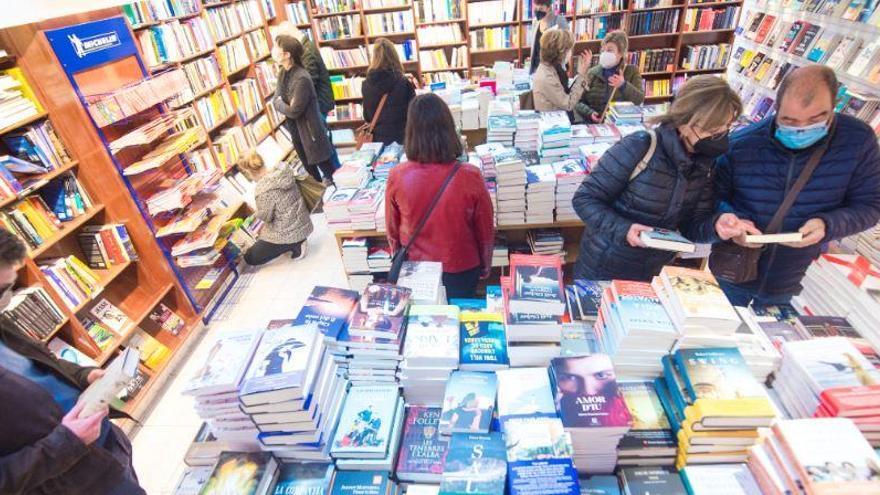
[(275, 291)]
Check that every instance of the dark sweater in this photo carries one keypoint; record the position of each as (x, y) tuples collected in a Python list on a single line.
[(392, 121)]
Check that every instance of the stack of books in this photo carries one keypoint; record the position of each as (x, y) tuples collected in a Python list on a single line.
[(424, 279), (651, 440), (633, 328), (592, 410), (593, 152), (430, 353), (362, 207), (33, 313), (717, 404), (625, 113), (379, 257), (842, 285), (584, 300), (695, 303), (569, 175), (336, 207), (71, 279), (500, 252), (528, 127), (354, 255), (546, 241), (422, 448), (106, 245), (37, 144), (829, 377), (540, 193), (555, 136), (370, 427), (216, 383), (821, 455), (501, 128), (256, 470), (15, 106), (511, 192), (387, 159), (375, 333), (329, 308)]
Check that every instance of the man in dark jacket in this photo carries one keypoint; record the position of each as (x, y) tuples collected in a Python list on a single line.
[(841, 198), (46, 446)]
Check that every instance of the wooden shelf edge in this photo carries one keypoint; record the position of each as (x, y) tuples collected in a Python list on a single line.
[(48, 176), (30, 120), (66, 229)]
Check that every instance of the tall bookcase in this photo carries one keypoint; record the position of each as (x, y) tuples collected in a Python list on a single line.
[(138, 287)]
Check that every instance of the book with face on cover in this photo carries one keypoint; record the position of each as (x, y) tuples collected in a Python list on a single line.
[(422, 449), (475, 465), (587, 395), (469, 402), (365, 422), (242, 473), (284, 365), (329, 308), (381, 311)]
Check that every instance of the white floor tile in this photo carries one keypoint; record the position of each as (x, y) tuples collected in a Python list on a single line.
[(276, 291)]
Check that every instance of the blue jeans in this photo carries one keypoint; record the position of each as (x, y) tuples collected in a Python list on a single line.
[(739, 296)]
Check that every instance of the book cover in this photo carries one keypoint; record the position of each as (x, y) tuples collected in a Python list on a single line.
[(166, 318), (524, 392), (539, 454), (306, 478), (282, 361), (589, 296), (153, 352), (537, 277), (667, 239), (483, 341), (650, 425), (639, 307), (329, 308), (226, 362), (109, 315), (600, 485), (432, 335), (63, 350), (365, 421), (238, 472), (468, 402), (831, 362), (422, 449), (381, 311), (698, 294), (727, 479), (361, 483), (587, 395), (475, 465), (651, 481), (717, 374)]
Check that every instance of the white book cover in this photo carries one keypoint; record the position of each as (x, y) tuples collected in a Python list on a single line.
[(109, 315), (423, 277), (286, 358), (432, 335), (225, 363), (524, 391), (720, 479)]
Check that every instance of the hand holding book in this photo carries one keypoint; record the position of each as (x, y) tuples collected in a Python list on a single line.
[(86, 428), (633, 237), (730, 227), (813, 232)]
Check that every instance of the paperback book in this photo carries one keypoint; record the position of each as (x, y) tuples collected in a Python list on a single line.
[(468, 403)]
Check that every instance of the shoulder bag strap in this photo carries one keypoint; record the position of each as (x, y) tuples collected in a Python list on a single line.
[(378, 112), (434, 202), (813, 162), (643, 163)]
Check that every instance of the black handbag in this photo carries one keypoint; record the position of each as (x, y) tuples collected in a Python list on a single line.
[(739, 264), (401, 254)]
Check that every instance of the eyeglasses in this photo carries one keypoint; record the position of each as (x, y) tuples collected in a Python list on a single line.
[(714, 137)]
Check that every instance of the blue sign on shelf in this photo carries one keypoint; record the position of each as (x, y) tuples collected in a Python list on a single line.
[(88, 45)]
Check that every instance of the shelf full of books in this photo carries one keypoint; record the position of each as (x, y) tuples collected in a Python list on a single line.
[(93, 281), (612, 387), (774, 38)]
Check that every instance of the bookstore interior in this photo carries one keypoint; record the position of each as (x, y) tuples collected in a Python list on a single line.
[(156, 157)]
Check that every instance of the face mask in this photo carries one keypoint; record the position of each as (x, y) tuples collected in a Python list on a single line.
[(540, 14), (712, 147), (607, 60), (798, 138)]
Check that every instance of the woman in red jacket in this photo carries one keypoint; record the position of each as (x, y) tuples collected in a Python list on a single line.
[(459, 232)]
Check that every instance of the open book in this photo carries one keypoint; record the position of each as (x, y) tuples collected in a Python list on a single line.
[(102, 392)]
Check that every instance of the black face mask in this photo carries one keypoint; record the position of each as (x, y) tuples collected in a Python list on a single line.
[(712, 147), (540, 14)]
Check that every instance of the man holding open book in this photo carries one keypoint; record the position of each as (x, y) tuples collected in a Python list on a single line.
[(47, 443)]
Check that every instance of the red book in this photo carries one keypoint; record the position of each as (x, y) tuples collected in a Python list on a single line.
[(764, 28), (852, 401), (537, 278)]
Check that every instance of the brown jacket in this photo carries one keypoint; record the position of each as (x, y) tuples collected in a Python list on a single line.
[(37, 454), (299, 105), (550, 95)]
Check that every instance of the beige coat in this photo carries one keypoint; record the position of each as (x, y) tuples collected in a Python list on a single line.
[(550, 95)]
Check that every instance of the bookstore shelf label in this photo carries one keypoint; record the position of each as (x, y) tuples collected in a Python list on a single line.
[(90, 44)]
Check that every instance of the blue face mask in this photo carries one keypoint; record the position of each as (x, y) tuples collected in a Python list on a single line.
[(798, 138)]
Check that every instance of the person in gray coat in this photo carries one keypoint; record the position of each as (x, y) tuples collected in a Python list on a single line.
[(281, 208), (295, 98), (545, 20)]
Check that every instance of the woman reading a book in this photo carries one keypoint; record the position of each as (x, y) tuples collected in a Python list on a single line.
[(659, 179), (295, 98), (550, 85), (612, 79), (385, 78), (458, 232)]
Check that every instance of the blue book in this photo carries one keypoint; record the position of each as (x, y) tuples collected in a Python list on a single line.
[(55, 196), (639, 307), (539, 457), (600, 485), (361, 483), (284, 366), (483, 342), (675, 385), (673, 414), (471, 305), (475, 465), (469, 402), (329, 308), (365, 422), (717, 374), (122, 233), (494, 299), (23, 147), (589, 297), (307, 478)]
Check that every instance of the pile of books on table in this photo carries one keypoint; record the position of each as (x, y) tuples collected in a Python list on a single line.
[(430, 353), (425, 280), (511, 182), (363, 205), (569, 175), (528, 127), (555, 136), (540, 193), (624, 113), (501, 129), (369, 428), (336, 207), (546, 241)]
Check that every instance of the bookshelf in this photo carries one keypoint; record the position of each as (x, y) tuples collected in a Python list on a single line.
[(136, 287)]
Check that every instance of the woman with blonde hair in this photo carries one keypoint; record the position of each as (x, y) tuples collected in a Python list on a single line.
[(658, 179), (550, 86), (386, 79), (612, 79)]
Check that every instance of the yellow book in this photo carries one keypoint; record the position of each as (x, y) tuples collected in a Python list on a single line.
[(85, 272), (720, 414), (684, 459), (743, 437), (42, 225), (76, 279), (25, 88), (153, 353)]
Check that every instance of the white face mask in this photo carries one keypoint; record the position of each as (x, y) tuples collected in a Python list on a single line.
[(607, 60)]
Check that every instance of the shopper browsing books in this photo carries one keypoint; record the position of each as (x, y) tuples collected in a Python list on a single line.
[(295, 98), (671, 189), (46, 445), (611, 80), (459, 231), (545, 20), (281, 208), (385, 79), (840, 198), (550, 86)]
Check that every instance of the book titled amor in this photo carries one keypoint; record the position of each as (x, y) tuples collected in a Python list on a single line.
[(587, 395), (422, 449)]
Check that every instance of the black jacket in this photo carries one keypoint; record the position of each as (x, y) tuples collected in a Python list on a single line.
[(392, 121), (296, 100), (314, 64), (37, 454), (674, 192)]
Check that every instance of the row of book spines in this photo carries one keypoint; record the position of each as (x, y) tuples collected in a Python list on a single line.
[(490, 38), (39, 144), (106, 246), (143, 12), (71, 279), (661, 21), (339, 27), (709, 19), (657, 87), (35, 315), (32, 220)]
